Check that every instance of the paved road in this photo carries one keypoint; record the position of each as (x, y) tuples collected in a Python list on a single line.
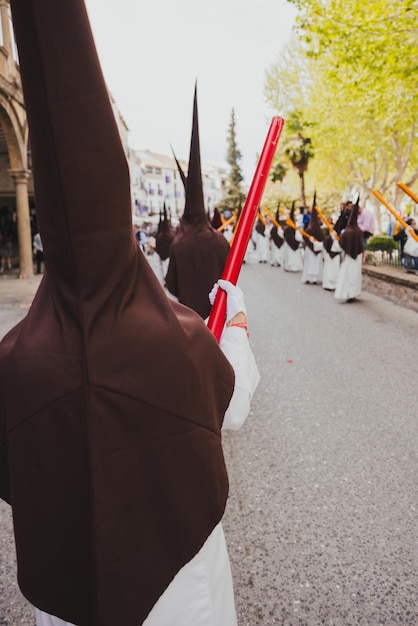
[(321, 520)]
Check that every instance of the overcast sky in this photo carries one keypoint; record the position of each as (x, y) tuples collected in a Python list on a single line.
[(153, 52)]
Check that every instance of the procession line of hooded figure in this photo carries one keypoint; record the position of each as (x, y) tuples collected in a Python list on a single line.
[(112, 396)]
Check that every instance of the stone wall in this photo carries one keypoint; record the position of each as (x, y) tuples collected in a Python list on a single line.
[(395, 285)]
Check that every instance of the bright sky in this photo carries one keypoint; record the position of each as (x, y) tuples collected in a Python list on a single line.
[(153, 52)]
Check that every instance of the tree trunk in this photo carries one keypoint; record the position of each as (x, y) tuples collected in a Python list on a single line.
[(302, 187)]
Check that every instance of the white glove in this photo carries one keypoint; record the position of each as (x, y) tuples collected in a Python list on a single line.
[(234, 298)]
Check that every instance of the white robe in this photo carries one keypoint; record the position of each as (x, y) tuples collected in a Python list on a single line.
[(292, 259), (262, 243), (276, 256), (349, 279), (331, 270), (312, 267), (201, 593)]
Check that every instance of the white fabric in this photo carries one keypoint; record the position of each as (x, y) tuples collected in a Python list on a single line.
[(336, 246), (228, 233), (349, 280), (262, 244), (276, 254), (201, 594), (292, 259), (43, 619), (331, 271), (312, 267), (299, 236), (236, 347), (411, 245)]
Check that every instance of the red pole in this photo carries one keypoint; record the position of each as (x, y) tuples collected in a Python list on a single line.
[(245, 225)]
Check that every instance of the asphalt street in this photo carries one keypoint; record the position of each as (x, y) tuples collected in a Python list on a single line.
[(321, 519)]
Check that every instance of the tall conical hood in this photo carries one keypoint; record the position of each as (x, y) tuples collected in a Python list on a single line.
[(292, 212), (352, 220), (216, 219), (194, 210), (180, 169), (314, 226), (351, 240), (289, 232), (165, 235)]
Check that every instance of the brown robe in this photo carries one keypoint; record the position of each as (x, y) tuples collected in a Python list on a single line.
[(351, 240), (112, 397), (198, 253)]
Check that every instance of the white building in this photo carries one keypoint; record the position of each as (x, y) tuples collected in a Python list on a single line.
[(155, 180)]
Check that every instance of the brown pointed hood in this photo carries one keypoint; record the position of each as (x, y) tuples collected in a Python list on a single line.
[(277, 239), (165, 235), (260, 227), (289, 232), (194, 209), (351, 241), (106, 384), (180, 169), (314, 226), (216, 221)]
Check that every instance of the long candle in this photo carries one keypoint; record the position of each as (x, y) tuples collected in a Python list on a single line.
[(326, 222), (246, 222), (395, 215), (226, 223), (292, 224), (273, 219), (408, 191)]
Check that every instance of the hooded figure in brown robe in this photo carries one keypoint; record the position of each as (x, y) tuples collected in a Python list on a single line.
[(351, 243), (216, 220), (351, 240), (198, 252), (274, 233), (115, 479), (165, 235), (289, 232), (314, 229)]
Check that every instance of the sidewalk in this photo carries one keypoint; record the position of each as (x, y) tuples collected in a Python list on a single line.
[(15, 297)]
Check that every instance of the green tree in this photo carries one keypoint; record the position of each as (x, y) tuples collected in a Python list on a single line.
[(357, 63), (234, 197), (298, 148)]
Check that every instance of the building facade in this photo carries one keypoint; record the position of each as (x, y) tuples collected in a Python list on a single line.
[(156, 181)]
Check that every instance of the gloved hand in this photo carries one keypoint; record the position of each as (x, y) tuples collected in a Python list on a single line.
[(234, 298)]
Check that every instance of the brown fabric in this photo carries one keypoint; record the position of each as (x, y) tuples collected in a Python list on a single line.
[(260, 227), (328, 241), (289, 237), (276, 238), (216, 221), (342, 220), (112, 397), (194, 208), (181, 171), (198, 252), (314, 228), (164, 236), (197, 260), (289, 232), (351, 240)]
